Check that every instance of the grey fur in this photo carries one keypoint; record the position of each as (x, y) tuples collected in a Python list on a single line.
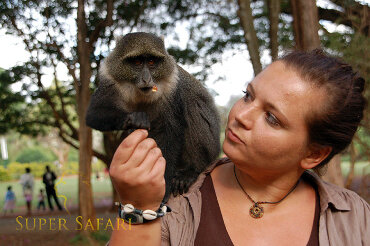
[(182, 115)]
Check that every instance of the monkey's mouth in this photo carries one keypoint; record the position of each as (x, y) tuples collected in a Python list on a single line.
[(147, 89)]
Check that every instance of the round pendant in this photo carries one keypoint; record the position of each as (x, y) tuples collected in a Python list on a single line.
[(256, 211)]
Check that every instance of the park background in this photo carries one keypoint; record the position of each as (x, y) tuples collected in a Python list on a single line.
[(51, 51)]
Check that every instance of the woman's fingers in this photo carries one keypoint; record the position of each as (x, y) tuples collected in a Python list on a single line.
[(127, 147), (150, 159), (157, 172), (140, 153), (137, 171)]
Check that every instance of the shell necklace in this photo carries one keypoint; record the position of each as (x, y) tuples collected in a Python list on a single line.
[(256, 211)]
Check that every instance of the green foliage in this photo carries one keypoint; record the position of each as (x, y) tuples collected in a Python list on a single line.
[(101, 236), (98, 166), (15, 169), (35, 154), (11, 103), (4, 175), (79, 239), (73, 155), (69, 168)]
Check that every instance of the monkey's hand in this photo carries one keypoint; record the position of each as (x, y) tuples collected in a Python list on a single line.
[(182, 181), (136, 120)]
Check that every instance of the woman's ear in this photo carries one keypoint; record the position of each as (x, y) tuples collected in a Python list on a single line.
[(315, 156)]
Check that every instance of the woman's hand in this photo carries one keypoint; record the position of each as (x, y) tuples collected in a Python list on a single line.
[(137, 171)]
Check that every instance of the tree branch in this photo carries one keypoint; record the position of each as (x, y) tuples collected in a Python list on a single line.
[(64, 115), (68, 141), (142, 8), (71, 70), (108, 21)]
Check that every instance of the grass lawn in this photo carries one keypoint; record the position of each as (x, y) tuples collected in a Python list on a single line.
[(66, 187), (102, 189)]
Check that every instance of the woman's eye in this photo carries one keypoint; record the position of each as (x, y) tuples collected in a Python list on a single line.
[(247, 95), (271, 119)]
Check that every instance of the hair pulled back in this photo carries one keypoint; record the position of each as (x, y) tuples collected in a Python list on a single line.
[(337, 122)]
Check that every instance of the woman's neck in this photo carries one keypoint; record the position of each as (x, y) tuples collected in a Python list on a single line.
[(262, 186)]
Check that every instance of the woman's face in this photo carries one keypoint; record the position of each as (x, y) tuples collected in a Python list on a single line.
[(266, 129)]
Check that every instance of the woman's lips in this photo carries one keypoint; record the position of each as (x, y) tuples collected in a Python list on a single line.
[(234, 138)]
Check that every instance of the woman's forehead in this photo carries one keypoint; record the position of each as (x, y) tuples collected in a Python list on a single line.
[(287, 91)]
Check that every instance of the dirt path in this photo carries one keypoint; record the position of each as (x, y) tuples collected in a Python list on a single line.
[(52, 228)]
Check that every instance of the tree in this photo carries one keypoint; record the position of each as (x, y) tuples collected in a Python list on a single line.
[(305, 24), (51, 48), (246, 21), (274, 11)]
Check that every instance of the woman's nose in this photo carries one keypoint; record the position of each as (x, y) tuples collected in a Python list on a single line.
[(246, 116)]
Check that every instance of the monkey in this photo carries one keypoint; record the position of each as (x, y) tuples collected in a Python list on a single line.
[(141, 86)]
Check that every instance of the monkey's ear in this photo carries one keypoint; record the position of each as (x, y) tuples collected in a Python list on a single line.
[(162, 37), (118, 38)]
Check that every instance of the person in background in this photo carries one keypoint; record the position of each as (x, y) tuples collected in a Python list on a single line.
[(27, 183), (41, 198), (48, 179), (9, 200)]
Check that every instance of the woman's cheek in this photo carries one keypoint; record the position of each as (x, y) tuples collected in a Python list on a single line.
[(268, 143)]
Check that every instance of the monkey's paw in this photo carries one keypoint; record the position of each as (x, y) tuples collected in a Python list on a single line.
[(136, 120), (182, 181)]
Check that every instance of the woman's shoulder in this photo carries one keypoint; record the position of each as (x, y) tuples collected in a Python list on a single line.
[(183, 221), (192, 196), (343, 214), (338, 197)]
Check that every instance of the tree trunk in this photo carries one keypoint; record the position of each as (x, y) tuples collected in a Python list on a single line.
[(274, 11), (246, 21), (305, 24), (111, 142), (86, 204)]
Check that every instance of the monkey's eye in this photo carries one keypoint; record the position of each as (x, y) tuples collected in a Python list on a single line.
[(138, 62), (151, 62)]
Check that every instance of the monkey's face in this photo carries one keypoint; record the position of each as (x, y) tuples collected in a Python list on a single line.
[(142, 69)]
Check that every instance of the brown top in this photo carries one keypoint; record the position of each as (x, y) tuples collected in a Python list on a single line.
[(212, 230), (344, 216)]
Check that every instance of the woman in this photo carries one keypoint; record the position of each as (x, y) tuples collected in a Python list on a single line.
[(296, 115)]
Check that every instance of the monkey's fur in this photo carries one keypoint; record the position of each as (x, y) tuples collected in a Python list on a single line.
[(181, 114)]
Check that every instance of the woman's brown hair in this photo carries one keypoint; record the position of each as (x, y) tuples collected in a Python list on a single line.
[(337, 122)]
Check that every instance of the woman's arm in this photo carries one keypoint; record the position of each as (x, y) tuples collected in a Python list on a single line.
[(137, 172), (144, 234)]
